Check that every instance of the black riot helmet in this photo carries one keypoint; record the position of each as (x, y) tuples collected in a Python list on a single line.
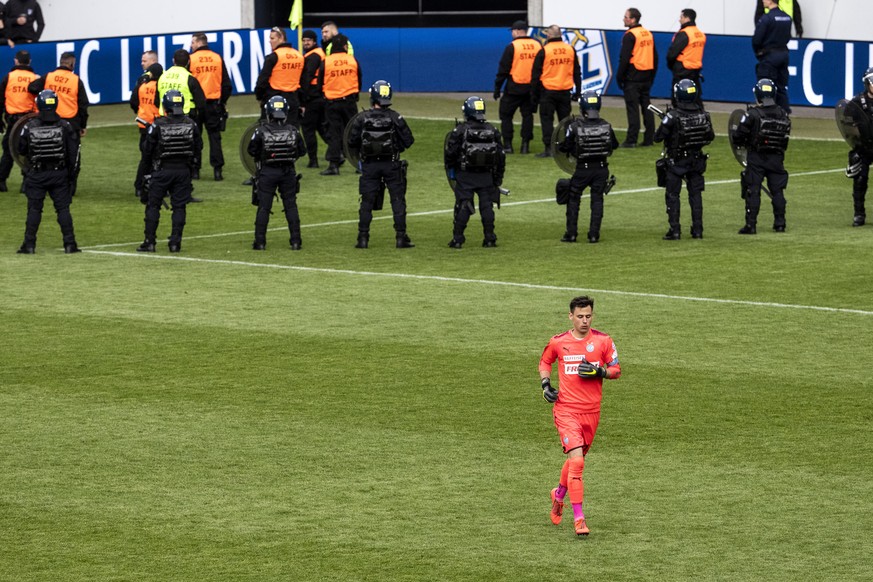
[(868, 79), (276, 108), (589, 104), (173, 102), (474, 108), (765, 92), (47, 101), (381, 93), (685, 91)]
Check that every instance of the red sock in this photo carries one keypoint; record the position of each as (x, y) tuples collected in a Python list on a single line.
[(576, 465)]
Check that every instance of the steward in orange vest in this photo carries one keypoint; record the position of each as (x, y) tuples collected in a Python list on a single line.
[(637, 65), (281, 76), (209, 70), (339, 79), (685, 56), (314, 120), (515, 70), (15, 102), (556, 72), (142, 101)]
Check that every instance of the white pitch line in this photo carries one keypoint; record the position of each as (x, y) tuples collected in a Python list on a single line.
[(461, 280), (433, 212)]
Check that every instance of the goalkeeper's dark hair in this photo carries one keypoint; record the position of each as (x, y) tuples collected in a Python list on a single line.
[(581, 301)]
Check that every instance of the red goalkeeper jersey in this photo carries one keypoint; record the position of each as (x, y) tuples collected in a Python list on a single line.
[(577, 394)]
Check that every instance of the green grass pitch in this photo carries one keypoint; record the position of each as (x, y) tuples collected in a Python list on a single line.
[(337, 414)]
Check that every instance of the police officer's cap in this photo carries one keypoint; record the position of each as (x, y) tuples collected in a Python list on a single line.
[(765, 90), (685, 91), (277, 107), (868, 77), (381, 93), (173, 102), (590, 101), (474, 108), (47, 101)]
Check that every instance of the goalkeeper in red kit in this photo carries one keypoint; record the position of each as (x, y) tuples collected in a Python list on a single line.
[(585, 358)]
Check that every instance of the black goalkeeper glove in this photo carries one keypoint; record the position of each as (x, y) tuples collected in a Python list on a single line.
[(549, 394), (588, 370)]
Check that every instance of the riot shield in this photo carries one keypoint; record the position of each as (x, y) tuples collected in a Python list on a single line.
[(353, 155), (855, 126), (15, 133), (739, 151), (248, 161), (565, 161), (452, 181)]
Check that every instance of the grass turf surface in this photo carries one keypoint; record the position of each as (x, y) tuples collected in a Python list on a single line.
[(308, 415)]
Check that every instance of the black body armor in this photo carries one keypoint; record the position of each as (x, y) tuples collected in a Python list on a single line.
[(46, 146), (280, 145), (692, 131), (377, 136), (592, 140), (772, 134), (480, 150), (176, 141)]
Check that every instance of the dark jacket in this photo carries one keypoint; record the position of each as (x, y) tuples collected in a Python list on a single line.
[(153, 73), (797, 17), (772, 33), (401, 129), (505, 67), (311, 64), (626, 71), (454, 150), (680, 41), (24, 33)]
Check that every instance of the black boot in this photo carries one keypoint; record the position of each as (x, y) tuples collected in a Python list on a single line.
[(216, 173), (748, 229), (672, 235), (146, 247), (26, 250), (332, 170), (860, 219), (568, 238), (525, 146), (363, 240), (71, 248), (403, 241)]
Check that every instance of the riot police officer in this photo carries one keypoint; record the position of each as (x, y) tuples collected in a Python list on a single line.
[(685, 130), (381, 134), (764, 131), (590, 140), (275, 146), (475, 159), (171, 148), (50, 144), (860, 159)]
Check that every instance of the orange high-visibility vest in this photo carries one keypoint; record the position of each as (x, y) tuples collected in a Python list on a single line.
[(18, 99), (206, 68), (340, 76), (691, 56), (643, 57), (558, 66), (320, 52), (524, 52), (289, 66), (66, 85), (147, 109)]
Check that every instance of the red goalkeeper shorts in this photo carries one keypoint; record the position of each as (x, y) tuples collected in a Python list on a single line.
[(576, 429)]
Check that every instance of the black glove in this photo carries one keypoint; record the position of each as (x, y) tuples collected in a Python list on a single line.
[(588, 370), (496, 94), (549, 394)]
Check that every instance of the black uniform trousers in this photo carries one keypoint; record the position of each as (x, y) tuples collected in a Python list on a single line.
[(509, 104), (210, 119), (175, 181), (859, 185), (467, 184), (552, 102), (593, 175), (314, 122), (636, 99), (772, 167), (143, 167), (57, 184), (690, 169), (7, 161), (285, 179), (338, 112), (774, 66), (373, 175)]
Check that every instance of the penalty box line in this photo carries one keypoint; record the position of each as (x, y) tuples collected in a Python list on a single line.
[(434, 212), (461, 280)]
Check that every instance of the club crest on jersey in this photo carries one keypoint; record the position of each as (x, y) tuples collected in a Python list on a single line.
[(589, 348)]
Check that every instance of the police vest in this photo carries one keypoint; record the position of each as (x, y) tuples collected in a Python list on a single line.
[(176, 77), (46, 146), (206, 68), (18, 99), (480, 150), (643, 55), (377, 136), (286, 73), (321, 55), (592, 140), (66, 85), (280, 144), (340, 76), (147, 109), (772, 134), (691, 56), (525, 51), (692, 132), (176, 140), (558, 66)]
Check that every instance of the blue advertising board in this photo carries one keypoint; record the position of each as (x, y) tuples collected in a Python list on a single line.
[(465, 60)]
